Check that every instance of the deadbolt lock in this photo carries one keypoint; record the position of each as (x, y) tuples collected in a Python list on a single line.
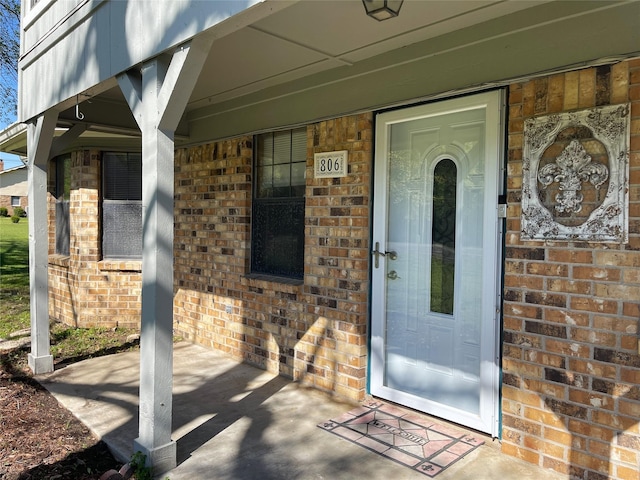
[(392, 275)]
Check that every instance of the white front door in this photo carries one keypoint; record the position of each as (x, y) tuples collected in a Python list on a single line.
[(435, 272)]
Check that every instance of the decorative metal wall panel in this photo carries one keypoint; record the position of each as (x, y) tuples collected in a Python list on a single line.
[(575, 171)]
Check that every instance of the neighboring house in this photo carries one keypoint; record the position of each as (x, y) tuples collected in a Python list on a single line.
[(441, 209), (13, 188)]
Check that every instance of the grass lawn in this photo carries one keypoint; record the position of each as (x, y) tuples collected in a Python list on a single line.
[(14, 275), (67, 343)]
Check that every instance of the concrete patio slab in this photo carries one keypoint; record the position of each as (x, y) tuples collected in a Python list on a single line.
[(234, 421)]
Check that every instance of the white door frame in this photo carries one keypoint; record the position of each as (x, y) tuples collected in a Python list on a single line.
[(494, 102)]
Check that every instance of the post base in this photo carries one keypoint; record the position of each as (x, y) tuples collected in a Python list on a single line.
[(39, 365), (159, 459)]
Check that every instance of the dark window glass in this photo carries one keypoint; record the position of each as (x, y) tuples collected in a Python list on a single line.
[(123, 176), (62, 194), (277, 240), (443, 231), (122, 205), (278, 237)]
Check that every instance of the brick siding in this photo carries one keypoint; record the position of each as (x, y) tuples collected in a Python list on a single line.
[(5, 201), (571, 394), (83, 289), (314, 332)]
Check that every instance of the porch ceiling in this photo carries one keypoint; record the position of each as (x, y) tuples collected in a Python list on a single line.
[(315, 36), (313, 52)]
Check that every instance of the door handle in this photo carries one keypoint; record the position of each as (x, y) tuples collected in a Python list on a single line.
[(393, 255)]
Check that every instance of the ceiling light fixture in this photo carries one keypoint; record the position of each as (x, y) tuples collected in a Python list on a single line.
[(382, 9)]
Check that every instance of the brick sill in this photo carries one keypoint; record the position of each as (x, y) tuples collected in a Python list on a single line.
[(115, 265), (59, 260), (255, 280)]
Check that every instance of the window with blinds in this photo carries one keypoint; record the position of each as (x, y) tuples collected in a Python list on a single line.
[(122, 205), (277, 224), (62, 194)]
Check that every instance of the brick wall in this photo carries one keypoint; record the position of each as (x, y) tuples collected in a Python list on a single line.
[(85, 290), (571, 394), (60, 278), (12, 186), (314, 332), (5, 201)]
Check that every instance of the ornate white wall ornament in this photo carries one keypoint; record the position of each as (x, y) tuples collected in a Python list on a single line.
[(558, 155), (570, 170)]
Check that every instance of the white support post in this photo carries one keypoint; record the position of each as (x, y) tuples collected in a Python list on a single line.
[(157, 101), (39, 139)]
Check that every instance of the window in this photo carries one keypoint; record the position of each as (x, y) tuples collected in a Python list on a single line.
[(443, 237), (277, 235), (62, 194), (122, 205), (15, 201)]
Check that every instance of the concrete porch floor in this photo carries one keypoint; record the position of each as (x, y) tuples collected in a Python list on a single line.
[(234, 421)]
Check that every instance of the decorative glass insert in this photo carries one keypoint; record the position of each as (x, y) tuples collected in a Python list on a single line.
[(278, 237), (277, 240), (122, 225), (575, 175), (122, 205), (443, 237)]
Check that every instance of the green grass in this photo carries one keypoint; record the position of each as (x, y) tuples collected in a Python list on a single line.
[(14, 276), (68, 344), (14, 254), (78, 343)]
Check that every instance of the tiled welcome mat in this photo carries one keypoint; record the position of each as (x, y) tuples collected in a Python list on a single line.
[(410, 439)]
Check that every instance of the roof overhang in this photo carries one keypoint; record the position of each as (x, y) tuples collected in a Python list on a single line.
[(13, 139), (313, 59)]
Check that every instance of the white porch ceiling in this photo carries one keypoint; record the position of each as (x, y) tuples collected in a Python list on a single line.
[(314, 36)]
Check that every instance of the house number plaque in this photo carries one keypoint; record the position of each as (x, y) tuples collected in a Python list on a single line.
[(330, 164)]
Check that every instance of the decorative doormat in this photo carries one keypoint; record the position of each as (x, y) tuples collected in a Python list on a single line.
[(407, 438)]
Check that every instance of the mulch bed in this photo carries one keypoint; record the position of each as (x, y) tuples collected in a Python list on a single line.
[(40, 439)]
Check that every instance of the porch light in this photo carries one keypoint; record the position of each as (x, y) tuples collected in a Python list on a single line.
[(382, 9)]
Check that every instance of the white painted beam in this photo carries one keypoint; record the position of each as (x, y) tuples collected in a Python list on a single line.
[(156, 339), (157, 100), (131, 85), (39, 139), (61, 143), (184, 70)]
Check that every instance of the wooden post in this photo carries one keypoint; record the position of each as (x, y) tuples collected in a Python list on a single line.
[(157, 99), (39, 140)]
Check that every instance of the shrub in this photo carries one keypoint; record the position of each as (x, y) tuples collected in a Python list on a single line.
[(15, 218), (19, 212), (4, 212)]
